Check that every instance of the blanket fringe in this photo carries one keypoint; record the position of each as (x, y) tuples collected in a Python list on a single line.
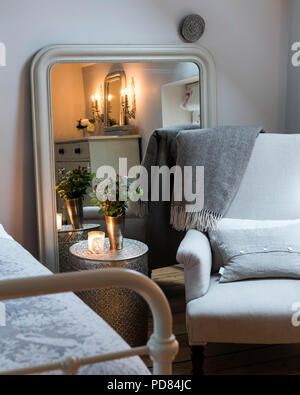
[(203, 220), (141, 209)]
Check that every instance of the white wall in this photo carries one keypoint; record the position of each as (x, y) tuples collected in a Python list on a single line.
[(68, 102), (246, 37), (293, 90)]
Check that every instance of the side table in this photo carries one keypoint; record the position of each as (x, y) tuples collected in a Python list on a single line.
[(67, 236), (121, 308)]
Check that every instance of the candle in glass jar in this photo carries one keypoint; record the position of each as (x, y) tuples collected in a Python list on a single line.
[(59, 219), (96, 242)]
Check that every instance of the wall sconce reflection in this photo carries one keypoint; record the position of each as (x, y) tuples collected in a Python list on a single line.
[(129, 102), (98, 106)]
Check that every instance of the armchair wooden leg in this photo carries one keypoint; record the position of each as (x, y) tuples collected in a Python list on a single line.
[(197, 353)]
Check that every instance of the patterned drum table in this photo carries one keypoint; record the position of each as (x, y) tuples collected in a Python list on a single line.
[(122, 308), (67, 236)]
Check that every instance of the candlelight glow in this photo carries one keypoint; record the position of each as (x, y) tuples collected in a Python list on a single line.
[(59, 220)]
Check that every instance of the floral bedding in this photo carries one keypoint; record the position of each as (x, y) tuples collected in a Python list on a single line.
[(46, 329)]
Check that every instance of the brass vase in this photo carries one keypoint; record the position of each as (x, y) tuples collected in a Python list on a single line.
[(75, 212), (115, 228)]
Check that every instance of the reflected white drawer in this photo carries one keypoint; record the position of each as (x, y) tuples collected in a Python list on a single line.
[(72, 152)]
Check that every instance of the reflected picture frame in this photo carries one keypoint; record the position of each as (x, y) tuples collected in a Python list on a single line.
[(111, 77)]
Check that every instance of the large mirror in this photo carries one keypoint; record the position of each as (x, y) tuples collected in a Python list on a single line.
[(96, 112)]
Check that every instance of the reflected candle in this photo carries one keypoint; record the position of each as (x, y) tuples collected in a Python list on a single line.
[(97, 96), (59, 219), (96, 242)]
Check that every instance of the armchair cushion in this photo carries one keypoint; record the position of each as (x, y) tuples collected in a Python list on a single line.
[(229, 224), (195, 254), (250, 312), (259, 252)]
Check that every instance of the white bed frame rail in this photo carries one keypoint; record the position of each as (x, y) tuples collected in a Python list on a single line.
[(162, 345)]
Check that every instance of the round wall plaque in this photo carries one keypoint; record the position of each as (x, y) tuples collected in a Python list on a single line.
[(192, 28)]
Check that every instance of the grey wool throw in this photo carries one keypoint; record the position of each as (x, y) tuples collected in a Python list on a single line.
[(224, 152), (161, 151)]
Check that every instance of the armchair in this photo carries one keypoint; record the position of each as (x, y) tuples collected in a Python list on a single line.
[(256, 311)]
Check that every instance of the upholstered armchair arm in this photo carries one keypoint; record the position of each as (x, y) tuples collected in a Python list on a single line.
[(195, 254)]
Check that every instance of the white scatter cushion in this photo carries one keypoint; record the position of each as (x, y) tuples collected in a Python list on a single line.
[(256, 249), (3, 234)]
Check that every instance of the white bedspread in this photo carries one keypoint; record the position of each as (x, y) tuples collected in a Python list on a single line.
[(49, 328), (3, 234)]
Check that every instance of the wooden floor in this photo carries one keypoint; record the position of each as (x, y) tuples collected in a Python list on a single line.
[(222, 359)]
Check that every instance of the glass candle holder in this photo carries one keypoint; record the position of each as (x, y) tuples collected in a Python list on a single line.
[(59, 220), (96, 242)]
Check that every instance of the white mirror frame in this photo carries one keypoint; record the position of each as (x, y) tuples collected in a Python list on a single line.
[(42, 114)]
